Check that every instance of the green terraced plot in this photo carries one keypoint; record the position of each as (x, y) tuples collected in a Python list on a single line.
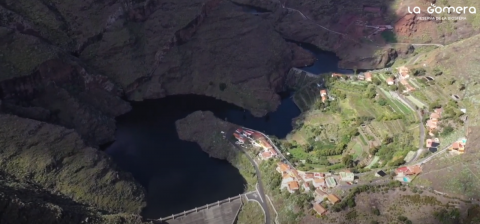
[(374, 161), (415, 101)]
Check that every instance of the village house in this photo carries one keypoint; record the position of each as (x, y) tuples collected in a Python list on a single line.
[(390, 81), (337, 75), (368, 76), (333, 199), (319, 209), (307, 177), (306, 187), (429, 143), (266, 155), (292, 186), (239, 138), (282, 167), (404, 72), (323, 94), (347, 176), (331, 182), (318, 182), (286, 178), (458, 146), (408, 170), (318, 175), (361, 77)]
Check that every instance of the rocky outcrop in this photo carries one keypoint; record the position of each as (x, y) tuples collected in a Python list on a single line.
[(57, 159), (48, 85), (26, 202), (192, 128), (300, 56)]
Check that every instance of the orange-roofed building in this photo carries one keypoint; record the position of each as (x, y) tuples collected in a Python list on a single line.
[(319, 209), (414, 170), (404, 72), (308, 177), (458, 146), (282, 167), (292, 186), (390, 81), (432, 124), (434, 116), (264, 143), (333, 199), (239, 137), (323, 92), (368, 76), (266, 155), (429, 143), (274, 153), (336, 75), (324, 98)]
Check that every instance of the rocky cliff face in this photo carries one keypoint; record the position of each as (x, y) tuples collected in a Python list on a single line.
[(75, 63), (25, 202), (57, 159)]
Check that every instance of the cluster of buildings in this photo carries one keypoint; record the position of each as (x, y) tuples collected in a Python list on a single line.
[(432, 122), (257, 139), (403, 75), (458, 146), (294, 180), (406, 173)]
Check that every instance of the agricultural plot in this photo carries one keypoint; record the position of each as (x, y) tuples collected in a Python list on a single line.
[(394, 103), (415, 101), (363, 107), (374, 161), (415, 83), (357, 150)]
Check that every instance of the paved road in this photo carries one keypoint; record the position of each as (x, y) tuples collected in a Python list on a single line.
[(260, 189), (424, 160), (422, 138)]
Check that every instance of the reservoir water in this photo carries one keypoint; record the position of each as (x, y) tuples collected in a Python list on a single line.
[(177, 174)]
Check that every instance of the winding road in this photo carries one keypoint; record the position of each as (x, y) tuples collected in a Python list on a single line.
[(260, 189)]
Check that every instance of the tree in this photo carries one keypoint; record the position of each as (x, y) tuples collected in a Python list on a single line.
[(370, 92), (435, 104), (222, 86), (382, 102), (394, 87), (447, 130), (376, 212), (348, 161), (351, 202), (419, 72)]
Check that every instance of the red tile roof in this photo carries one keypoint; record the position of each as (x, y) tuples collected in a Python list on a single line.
[(401, 170), (293, 185), (283, 167), (368, 75), (319, 209), (333, 198)]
